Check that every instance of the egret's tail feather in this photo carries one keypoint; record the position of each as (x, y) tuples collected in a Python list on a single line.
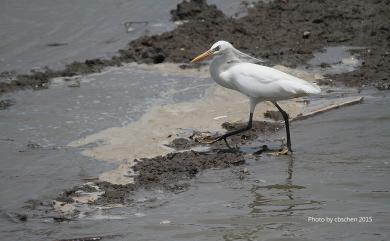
[(312, 89)]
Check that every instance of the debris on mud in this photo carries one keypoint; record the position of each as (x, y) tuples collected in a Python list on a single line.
[(274, 115), (6, 103)]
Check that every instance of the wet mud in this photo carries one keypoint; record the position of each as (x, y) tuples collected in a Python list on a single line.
[(172, 172), (283, 32), (40, 79)]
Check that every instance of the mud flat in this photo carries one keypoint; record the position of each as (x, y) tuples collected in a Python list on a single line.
[(285, 33)]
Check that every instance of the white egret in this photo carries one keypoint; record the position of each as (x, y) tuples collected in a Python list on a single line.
[(233, 69)]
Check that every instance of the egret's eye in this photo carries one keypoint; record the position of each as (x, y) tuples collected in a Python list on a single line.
[(217, 48)]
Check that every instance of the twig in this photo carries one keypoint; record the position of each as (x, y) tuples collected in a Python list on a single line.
[(328, 108)]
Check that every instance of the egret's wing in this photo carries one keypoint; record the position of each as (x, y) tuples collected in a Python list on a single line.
[(267, 83)]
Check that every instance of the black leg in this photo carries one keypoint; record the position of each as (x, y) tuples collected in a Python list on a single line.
[(248, 127), (286, 121)]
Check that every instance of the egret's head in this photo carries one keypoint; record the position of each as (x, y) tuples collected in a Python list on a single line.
[(218, 48)]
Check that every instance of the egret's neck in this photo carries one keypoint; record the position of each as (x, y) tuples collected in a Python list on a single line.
[(218, 65), (219, 62)]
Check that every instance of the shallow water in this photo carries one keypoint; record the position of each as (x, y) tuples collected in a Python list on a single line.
[(340, 168), (55, 32), (36, 130), (334, 60)]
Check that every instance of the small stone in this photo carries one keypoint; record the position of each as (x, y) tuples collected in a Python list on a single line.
[(306, 34), (165, 222)]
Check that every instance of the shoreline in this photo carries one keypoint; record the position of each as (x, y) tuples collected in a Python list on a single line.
[(289, 46)]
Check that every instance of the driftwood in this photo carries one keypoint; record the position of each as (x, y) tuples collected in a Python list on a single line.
[(96, 238), (89, 178), (328, 108)]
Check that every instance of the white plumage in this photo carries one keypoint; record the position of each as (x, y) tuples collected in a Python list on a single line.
[(233, 69), (265, 83)]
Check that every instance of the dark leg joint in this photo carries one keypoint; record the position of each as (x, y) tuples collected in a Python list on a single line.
[(248, 127)]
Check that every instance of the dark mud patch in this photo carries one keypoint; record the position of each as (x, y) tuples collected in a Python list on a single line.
[(182, 144), (284, 32), (114, 194), (40, 79), (194, 9), (175, 170)]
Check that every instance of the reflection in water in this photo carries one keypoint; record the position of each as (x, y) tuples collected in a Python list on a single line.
[(271, 202), (289, 180), (279, 199)]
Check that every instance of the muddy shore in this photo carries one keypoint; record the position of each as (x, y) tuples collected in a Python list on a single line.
[(285, 33), (172, 172)]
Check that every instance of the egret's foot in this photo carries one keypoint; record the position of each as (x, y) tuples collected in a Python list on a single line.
[(284, 151), (220, 138), (236, 148)]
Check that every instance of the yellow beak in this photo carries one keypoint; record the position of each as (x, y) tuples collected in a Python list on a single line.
[(203, 56)]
